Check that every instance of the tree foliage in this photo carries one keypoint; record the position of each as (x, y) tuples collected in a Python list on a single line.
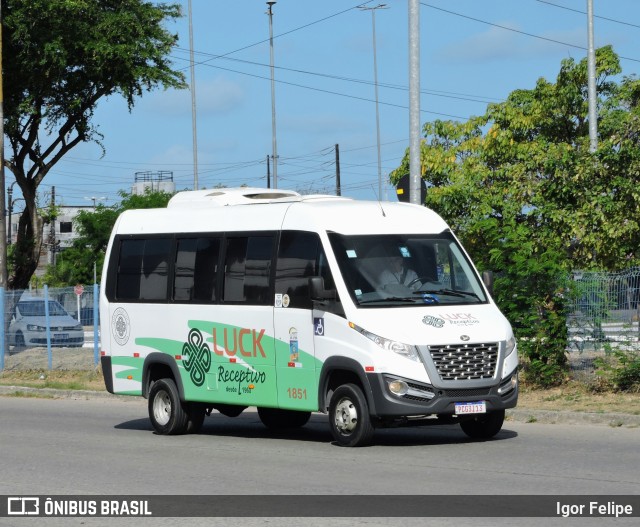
[(60, 58), (529, 200), (75, 265)]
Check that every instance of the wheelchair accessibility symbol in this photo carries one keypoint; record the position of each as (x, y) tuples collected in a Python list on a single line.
[(318, 327)]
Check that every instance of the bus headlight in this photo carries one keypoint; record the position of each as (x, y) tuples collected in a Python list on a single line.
[(510, 346), (406, 350)]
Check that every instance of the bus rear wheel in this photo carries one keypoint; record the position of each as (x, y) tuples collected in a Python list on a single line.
[(167, 415), (349, 417)]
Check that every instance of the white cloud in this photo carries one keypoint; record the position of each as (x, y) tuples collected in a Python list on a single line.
[(499, 44), (213, 97)]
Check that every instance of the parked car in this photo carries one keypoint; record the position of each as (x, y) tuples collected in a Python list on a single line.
[(28, 326)]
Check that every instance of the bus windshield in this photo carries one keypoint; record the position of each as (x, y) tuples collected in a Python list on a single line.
[(406, 269)]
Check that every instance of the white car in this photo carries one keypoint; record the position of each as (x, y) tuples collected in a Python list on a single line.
[(28, 326)]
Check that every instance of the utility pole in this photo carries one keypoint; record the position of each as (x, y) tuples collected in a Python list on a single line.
[(414, 102), (338, 189), (52, 229), (3, 224), (268, 173), (591, 65), (10, 210), (273, 97)]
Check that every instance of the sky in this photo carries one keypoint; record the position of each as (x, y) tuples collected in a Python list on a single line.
[(472, 53)]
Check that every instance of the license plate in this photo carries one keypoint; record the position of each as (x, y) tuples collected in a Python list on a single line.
[(478, 407), (61, 336)]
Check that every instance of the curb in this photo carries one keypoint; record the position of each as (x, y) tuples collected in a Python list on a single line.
[(521, 415), (614, 420)]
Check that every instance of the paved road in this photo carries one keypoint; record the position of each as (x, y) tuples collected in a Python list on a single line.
[(67, 446)]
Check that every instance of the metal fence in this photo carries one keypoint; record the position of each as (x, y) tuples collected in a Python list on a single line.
[(49, 328), (603, 318)]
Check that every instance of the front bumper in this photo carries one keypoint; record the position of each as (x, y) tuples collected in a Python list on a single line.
[(424, 399)]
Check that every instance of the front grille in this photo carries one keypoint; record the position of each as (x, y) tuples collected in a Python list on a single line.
[(456, 362), (467, 393)]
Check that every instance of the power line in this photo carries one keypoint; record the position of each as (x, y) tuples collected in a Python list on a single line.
[(584, 13), (285, 33), (330, 92), (507, 28), (437, 93)]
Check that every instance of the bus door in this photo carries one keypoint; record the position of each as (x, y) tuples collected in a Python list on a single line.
[(299, 256)]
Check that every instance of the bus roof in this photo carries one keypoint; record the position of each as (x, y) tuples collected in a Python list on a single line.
[(226, 209)]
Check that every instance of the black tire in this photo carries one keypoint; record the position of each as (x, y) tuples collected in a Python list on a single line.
[(196, 412), (484, 426), (20, 344), (167, 415), (349, 417), (277, 419)]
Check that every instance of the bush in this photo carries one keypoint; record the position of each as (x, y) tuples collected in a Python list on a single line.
[(621, 370)]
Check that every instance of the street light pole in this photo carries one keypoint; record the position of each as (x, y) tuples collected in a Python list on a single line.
[(273, 97), (94, 199), (193, 102), (375, 80), (591, 85), (414, 102)]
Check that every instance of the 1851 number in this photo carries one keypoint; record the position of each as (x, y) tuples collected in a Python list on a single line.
[(297, 393)]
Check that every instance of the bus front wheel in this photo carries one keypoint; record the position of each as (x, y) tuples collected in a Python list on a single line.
[(349, 417), (485, 426)]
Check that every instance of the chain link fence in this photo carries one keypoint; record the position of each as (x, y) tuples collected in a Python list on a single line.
[(603, 318), (49, 328)]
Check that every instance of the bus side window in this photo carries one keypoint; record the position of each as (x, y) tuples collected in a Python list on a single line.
[(155, 269), (300, 256), (247, 269), (195, 269), (129, 269), (143, 269)]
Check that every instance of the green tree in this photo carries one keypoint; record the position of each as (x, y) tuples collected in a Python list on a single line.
[(530, 201), (60, 58), (75, 265)]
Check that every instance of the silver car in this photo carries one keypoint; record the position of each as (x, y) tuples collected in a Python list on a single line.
[(28, 326)]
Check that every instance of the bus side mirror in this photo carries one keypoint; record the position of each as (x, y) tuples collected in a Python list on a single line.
[(487, 280), (317, 290)]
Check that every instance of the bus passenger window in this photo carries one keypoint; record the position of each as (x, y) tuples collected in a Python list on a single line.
[(155, 269), (195, 270), (247, 269), (143, 269)]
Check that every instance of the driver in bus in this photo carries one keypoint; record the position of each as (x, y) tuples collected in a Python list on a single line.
[(399, 272)]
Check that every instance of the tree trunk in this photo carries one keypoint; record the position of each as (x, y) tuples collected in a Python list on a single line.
[(28, 245)]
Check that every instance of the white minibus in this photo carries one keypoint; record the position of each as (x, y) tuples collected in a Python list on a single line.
[(369, 311)]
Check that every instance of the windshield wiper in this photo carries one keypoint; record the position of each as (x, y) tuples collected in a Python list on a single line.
[(389, 299), (449, 292)]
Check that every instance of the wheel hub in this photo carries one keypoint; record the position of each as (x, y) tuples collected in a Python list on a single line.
[(346, 416), (162, 408)]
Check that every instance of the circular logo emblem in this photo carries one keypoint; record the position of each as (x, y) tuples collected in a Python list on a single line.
[(120, 326), (465, 338)]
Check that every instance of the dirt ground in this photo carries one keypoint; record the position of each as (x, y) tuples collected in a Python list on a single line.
[(75, 368)]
